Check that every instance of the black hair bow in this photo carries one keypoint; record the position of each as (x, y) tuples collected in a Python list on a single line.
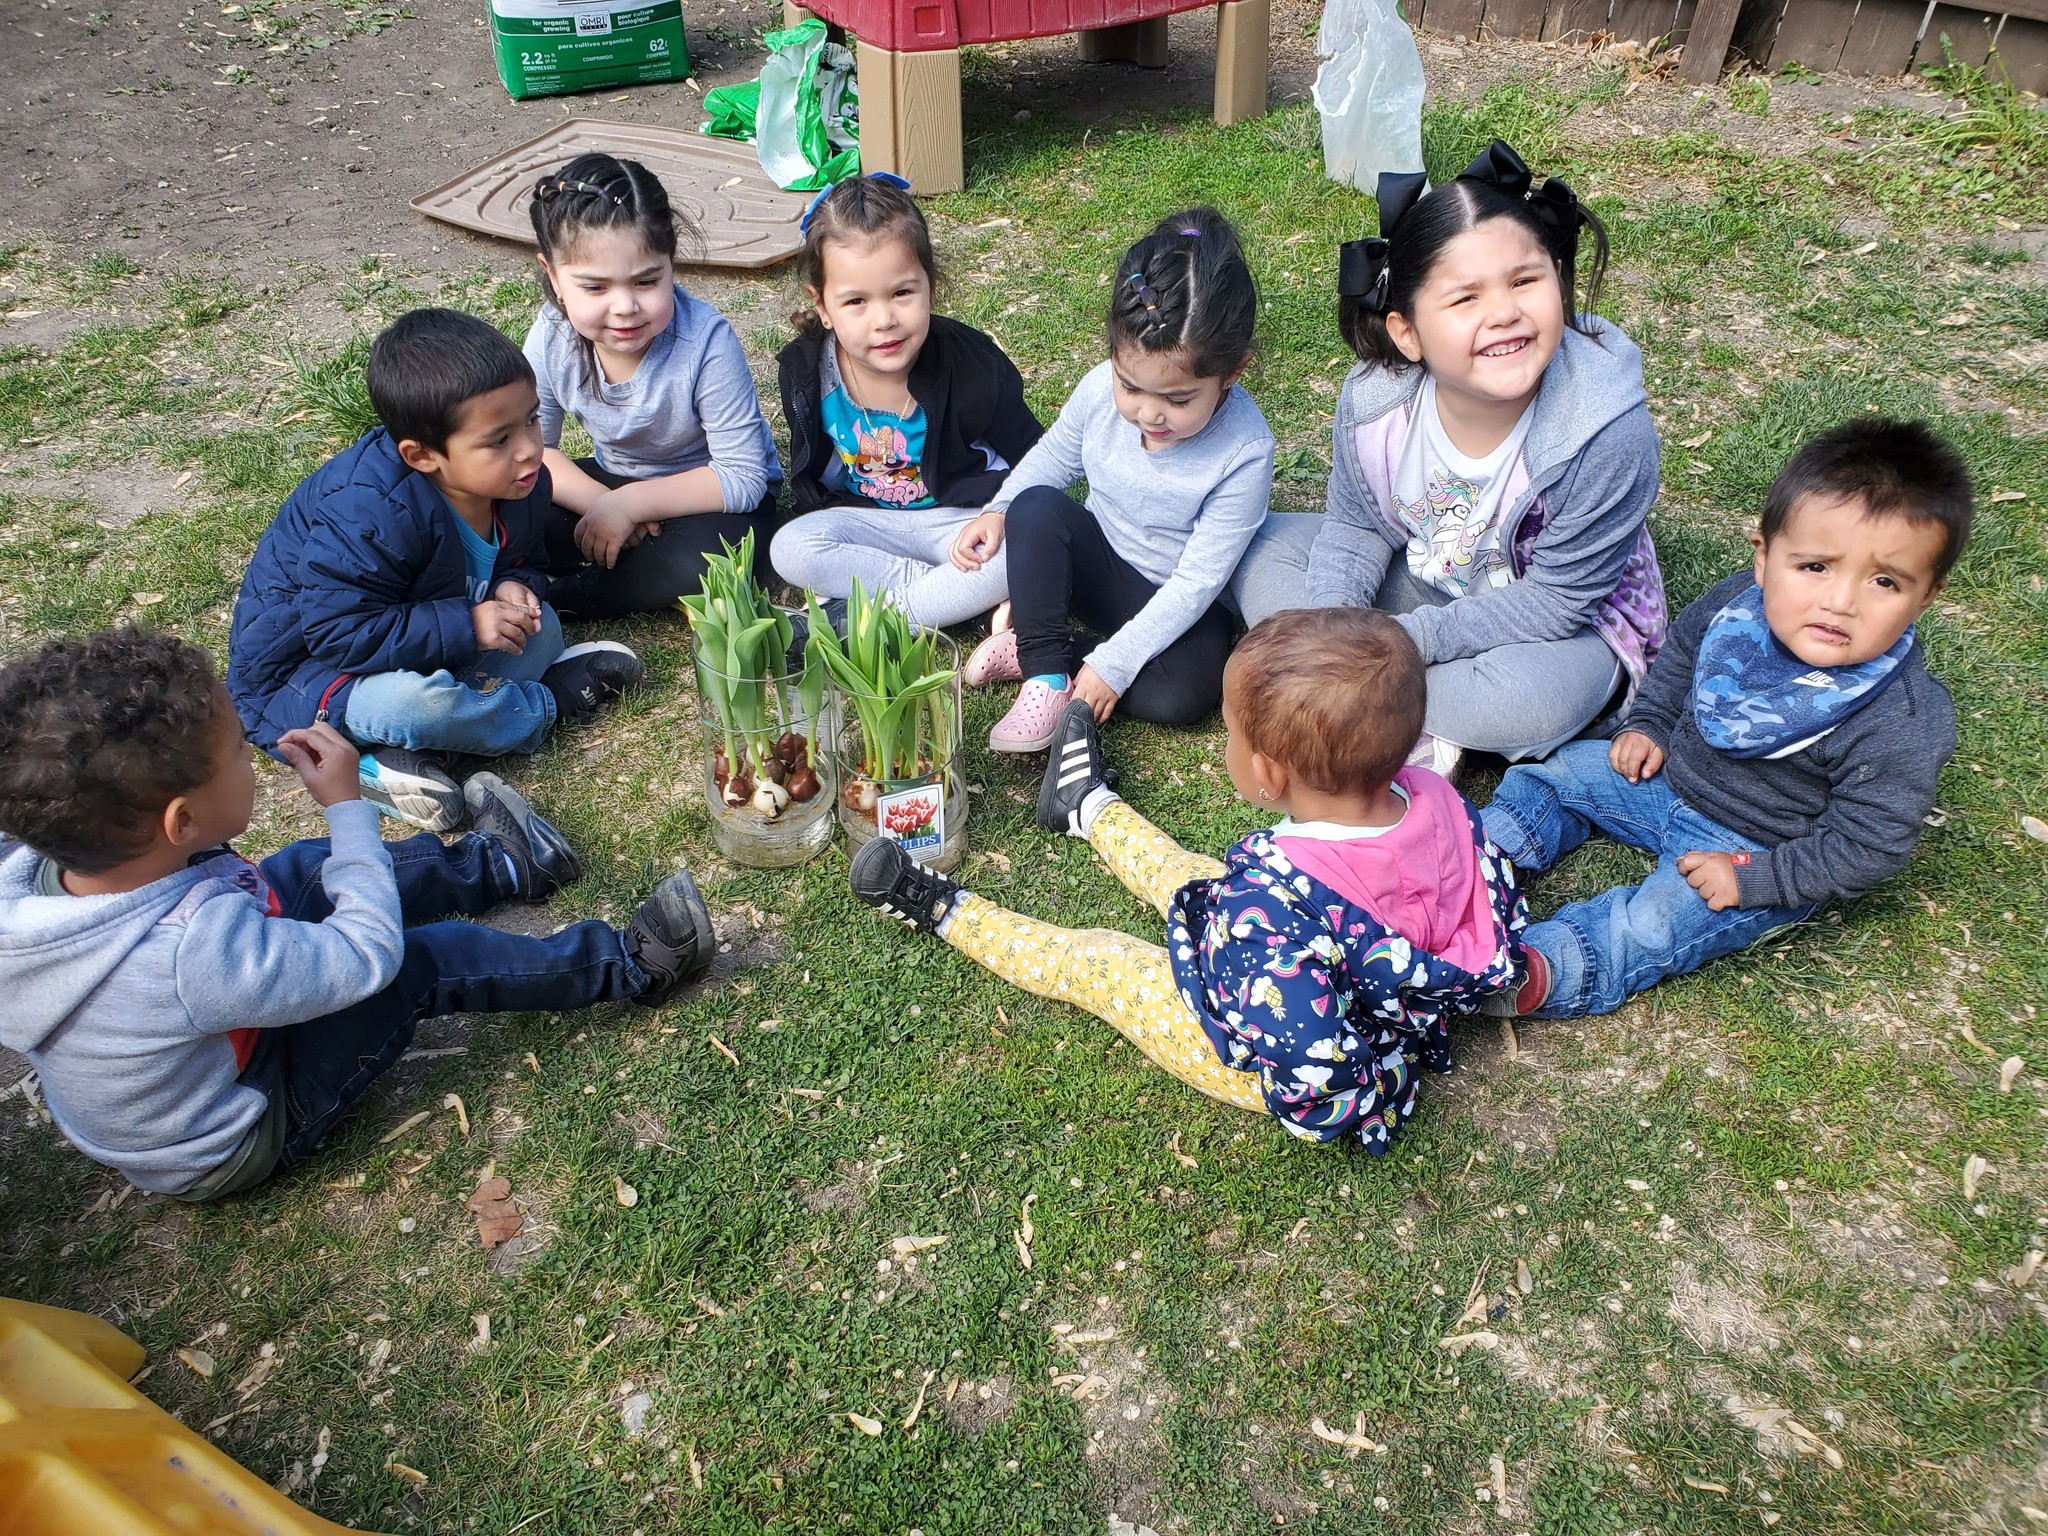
[(1555, 204), (1362, 271)]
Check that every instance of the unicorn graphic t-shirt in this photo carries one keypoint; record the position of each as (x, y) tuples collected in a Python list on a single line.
[(1451, 504), (879, 455)]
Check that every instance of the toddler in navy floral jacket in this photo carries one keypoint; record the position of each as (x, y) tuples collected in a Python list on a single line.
[(1312, 973)]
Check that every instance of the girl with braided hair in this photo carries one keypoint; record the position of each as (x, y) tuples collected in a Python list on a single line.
[(1179, 465), (684, 460), (1493, 467)]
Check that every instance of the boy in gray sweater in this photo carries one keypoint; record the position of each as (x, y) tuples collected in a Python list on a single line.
[(200, 1022), (1786, 745)]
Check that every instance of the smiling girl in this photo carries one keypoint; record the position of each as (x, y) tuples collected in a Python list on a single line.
[(658, 378), (1494, 497), (1179, 465), (902, 423)]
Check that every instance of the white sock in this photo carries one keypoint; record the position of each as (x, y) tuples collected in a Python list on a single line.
[(947, 921), (1091, 807)]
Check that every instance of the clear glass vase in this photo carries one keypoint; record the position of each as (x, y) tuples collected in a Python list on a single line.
[(769, 792), (911, 786)]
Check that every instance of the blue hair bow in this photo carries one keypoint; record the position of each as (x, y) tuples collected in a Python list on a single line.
[(887, 178)]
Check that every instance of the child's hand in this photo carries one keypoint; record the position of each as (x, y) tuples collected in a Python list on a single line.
[(325, 763), (978, 542), (503, 626), (1635, 757), (1713, 876), (1091, 690), (605, 530), (517, 594)]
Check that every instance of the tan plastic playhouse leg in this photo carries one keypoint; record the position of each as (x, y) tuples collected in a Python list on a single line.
[(1243, 48), (910, 116), (1142, 43)]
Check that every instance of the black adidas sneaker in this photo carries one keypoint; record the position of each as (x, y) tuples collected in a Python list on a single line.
[(586, 675), (889, 880)]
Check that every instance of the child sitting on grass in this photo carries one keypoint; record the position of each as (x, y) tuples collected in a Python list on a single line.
[(1309, 974), (200, 1022), (401, 591), (1785, 747)]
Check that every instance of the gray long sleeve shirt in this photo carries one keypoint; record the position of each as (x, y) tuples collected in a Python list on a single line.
[(691, 402), (1182, 516), (1837, 818)]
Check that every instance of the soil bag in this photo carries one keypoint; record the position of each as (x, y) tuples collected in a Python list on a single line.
[(548, 47), (802, 115), (1368, 91)]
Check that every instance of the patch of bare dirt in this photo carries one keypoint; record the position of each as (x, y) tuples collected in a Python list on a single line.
[(971, 1407), (847, 1195), (119, 494)]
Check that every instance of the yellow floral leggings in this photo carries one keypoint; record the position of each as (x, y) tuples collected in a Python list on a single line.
[(1125, 982)]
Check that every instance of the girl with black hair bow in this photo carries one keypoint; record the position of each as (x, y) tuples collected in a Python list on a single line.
[(1494, 497)]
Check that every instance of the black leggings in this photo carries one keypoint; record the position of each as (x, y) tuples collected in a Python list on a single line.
[(1062, 569), (651, 575)]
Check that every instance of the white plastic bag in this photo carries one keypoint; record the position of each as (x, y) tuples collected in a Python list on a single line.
[(1369, 92)]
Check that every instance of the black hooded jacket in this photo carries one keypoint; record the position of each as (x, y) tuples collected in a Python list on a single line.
[(971, 393)]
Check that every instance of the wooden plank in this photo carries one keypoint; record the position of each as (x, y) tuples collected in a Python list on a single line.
[(1643, 20), (1514, 18), (1706, 43), (1812, 33), (1969, 35), (910, 116), (1882, 36), (1575, 20), (1244, 49), (1456, 18), (2023, 50), (1757, 28)]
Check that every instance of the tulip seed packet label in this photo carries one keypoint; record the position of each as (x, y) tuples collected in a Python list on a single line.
[(914, 817)]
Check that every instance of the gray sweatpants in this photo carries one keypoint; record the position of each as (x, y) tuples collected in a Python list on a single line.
[(1521, 701), (905, 552)]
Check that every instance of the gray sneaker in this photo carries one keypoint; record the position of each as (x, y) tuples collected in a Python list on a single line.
[(412, 787)]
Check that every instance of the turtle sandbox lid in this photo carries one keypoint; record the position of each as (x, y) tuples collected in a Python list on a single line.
[(745, 220)]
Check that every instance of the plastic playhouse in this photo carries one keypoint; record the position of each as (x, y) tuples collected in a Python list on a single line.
[(82, 1453), (909, 63)]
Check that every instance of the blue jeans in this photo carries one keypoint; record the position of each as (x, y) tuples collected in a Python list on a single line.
[(1603, 951), (323, 1066), (498, 706), (1520, 701)]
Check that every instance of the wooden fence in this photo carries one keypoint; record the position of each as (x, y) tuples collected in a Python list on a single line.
[(1858, 37)]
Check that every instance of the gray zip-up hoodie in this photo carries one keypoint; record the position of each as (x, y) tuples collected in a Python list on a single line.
[(1575, 528), (123, 1003)]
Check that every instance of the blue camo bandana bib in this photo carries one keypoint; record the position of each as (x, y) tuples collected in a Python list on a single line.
[(1753, 698)]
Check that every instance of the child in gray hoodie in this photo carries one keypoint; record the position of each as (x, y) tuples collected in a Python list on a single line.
[(1495, 496), (200, 1022)]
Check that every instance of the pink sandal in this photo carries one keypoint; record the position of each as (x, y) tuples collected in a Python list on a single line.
[(1033, 720), (993, 661)]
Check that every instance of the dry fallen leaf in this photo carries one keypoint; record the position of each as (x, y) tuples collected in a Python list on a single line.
[(723, 1049), (1693, 1482), (917, 1408), (2035, 828), (1998, 497), (903, 1247), (1179, 1156), (2009, 1072), (412, 1475), (624, 1193), (1499, 1468), (1524, 1281), (1696, 442), (1458, 1343), (147, 599), (454, 1102), (864, 1424), (1353, 1441), (198, 1361), (403, 1126), (1024, 1232), (1974, 1170), (496, 1219), (1090, 1336), (482, 1341)]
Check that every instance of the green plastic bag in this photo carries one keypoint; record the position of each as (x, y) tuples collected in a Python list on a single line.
[(802, 115)]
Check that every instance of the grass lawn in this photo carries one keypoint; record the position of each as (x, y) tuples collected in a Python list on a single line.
[(1711, 1260)]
